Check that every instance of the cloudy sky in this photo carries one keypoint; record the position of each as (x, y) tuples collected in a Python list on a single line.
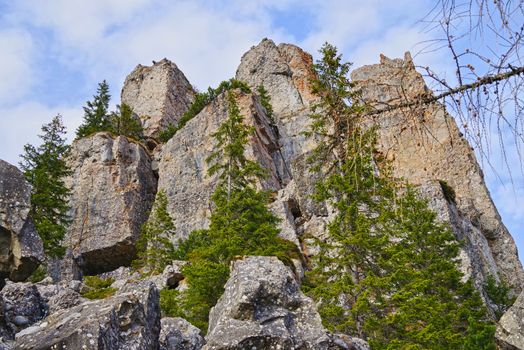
[(54, 52)]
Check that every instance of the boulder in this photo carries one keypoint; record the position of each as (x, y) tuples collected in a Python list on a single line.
[(158, 94), (112, 191), (510, 329), (22, 306), (129, 320), (263, 308), (178, 334), (21, 249), (425, 146)]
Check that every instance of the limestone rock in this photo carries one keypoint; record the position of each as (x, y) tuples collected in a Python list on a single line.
[(124, 321), (263, 308), (113, 189), (21, 249), (426, 146), (183, 168), (158, 94), (22, 306), (178, 334), (510, 329)]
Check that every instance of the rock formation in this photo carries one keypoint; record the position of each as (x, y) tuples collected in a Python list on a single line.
[(426, 147), (158, 94), (21, 249), (113, 188), (263, 308), (114, 182)]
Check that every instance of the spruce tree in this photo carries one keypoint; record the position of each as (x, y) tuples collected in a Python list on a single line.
[(45, 169), (96, 113), (387, 270), (240, 223), (124, 123), (155, 249)]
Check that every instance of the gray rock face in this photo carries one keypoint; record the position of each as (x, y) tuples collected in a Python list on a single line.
[(178, 334), (124, 321), (510, 329), (425, 145), (113, 188), (158, 94), (21, 249), (22, 305), (183, 168), (263, 308)]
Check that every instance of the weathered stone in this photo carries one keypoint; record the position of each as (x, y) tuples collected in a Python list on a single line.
[(22, 306), (263, 308), (183, 168), (425, 145), (124, 321), (158, 94), (510, 329), (21, 249), (178, 334), (113, 188)]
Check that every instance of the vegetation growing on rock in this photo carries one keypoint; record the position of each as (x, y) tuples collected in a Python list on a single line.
[(201, 100), (45, 168), (96, 287), (96, 113), (240, 224), (387, 270)]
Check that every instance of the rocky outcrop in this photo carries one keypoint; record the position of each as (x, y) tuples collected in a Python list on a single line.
[(263, 308), (125, 321), (425, 146), (510, 329), (183, 168), (178, 334), (113, 188), (158, 94), (21, 249)]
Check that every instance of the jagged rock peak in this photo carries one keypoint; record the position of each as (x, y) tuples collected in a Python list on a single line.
[(158, 94), (284, 71), (21, 249)]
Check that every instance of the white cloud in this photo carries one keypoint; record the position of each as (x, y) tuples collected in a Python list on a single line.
[(17, 75), (21, 125)]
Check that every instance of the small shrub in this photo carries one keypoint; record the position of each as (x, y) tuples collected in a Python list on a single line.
[(97, 288), (498, 293), (39, 274)]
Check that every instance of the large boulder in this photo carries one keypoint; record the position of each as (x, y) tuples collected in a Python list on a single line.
[(178, 334), (21, 249), (158, 94), (510, 329), (112, 190), (129, 320), (425, 146), (263, 308)]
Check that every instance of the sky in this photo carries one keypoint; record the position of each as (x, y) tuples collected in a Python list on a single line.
[(53, 54)]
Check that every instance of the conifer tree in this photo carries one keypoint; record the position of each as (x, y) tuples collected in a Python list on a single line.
[(155, 249), (96, 113), (124, 123), (45, 169), (387, 271), (240, 224)]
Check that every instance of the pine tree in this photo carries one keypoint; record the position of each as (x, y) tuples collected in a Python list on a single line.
[(155, 249), (124, 123), (387, 271), (240, 224), (96, 113), (45, 169)]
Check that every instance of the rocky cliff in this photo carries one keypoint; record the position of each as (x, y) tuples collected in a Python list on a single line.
[(115, 179)]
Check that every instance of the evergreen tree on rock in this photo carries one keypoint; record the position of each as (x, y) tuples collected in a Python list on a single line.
[(45, 168), (387, 271), (124, 123), (96, 113)]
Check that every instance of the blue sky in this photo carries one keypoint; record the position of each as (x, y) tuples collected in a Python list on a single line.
[(53, 53)]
